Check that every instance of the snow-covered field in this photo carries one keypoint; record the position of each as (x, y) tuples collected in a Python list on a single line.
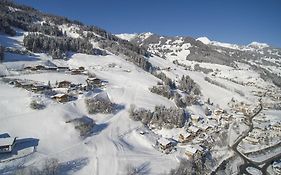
[(117, 141)]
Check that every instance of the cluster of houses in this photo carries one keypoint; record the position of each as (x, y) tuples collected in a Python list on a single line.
[(50, 66), (192, 151), (62, 91), (243, 108), (264, 132), (47, 66), (198, 132)]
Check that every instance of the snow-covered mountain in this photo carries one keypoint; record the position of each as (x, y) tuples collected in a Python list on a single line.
[(75, 99)]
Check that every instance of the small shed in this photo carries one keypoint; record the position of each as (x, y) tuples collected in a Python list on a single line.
[(64, 84), (61, 98), (7, 144)]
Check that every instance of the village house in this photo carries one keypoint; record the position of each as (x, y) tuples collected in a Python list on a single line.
[(62, 98), (252, 140), (165, 145), (195, 118), (277, 127), (227, 117), (205, 127), (61, 90), (7, 144), (39, 87), (64, 84), (28, 68), (51, 68), (39, 67), (81, 68), (76, 72), (95, 81), (276, 166), (62, 68), (218, 112), (193, 130), (185, 137), (192, 151), (23, 84)]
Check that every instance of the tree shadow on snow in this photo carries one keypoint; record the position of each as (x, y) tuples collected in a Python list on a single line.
[(118, 108), (98, 128), (11, 57), (143, 169), (72, 166), (7, 41)]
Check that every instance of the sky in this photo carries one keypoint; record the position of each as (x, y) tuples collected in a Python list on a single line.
[(232, 21)]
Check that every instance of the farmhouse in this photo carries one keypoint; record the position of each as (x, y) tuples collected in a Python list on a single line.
[(277, 166), (28, 68), (39, 87), (195, 118), (39, 67), (193, 150), (205, 127), (76, 72), (164, 144), (194, 130), (185, 137), (94, 81), (64, 84), (62, 68), (252, 140), (218, 112), (61, 98), (7, 144)]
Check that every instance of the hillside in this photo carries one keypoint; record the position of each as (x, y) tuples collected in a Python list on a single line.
[(77, 99)]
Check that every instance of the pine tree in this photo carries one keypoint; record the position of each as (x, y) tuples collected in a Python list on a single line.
[(2, 51)]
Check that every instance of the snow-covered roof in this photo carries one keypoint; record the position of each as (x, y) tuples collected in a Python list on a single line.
[(7, 141), (92, 79), (204, 126), (193, 129), (102, 96), (277, 164), (39, 85), (60, 90), (163, 141), (195, 117), (185, 135), (198, 147), (190, 149), (59, 95)]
